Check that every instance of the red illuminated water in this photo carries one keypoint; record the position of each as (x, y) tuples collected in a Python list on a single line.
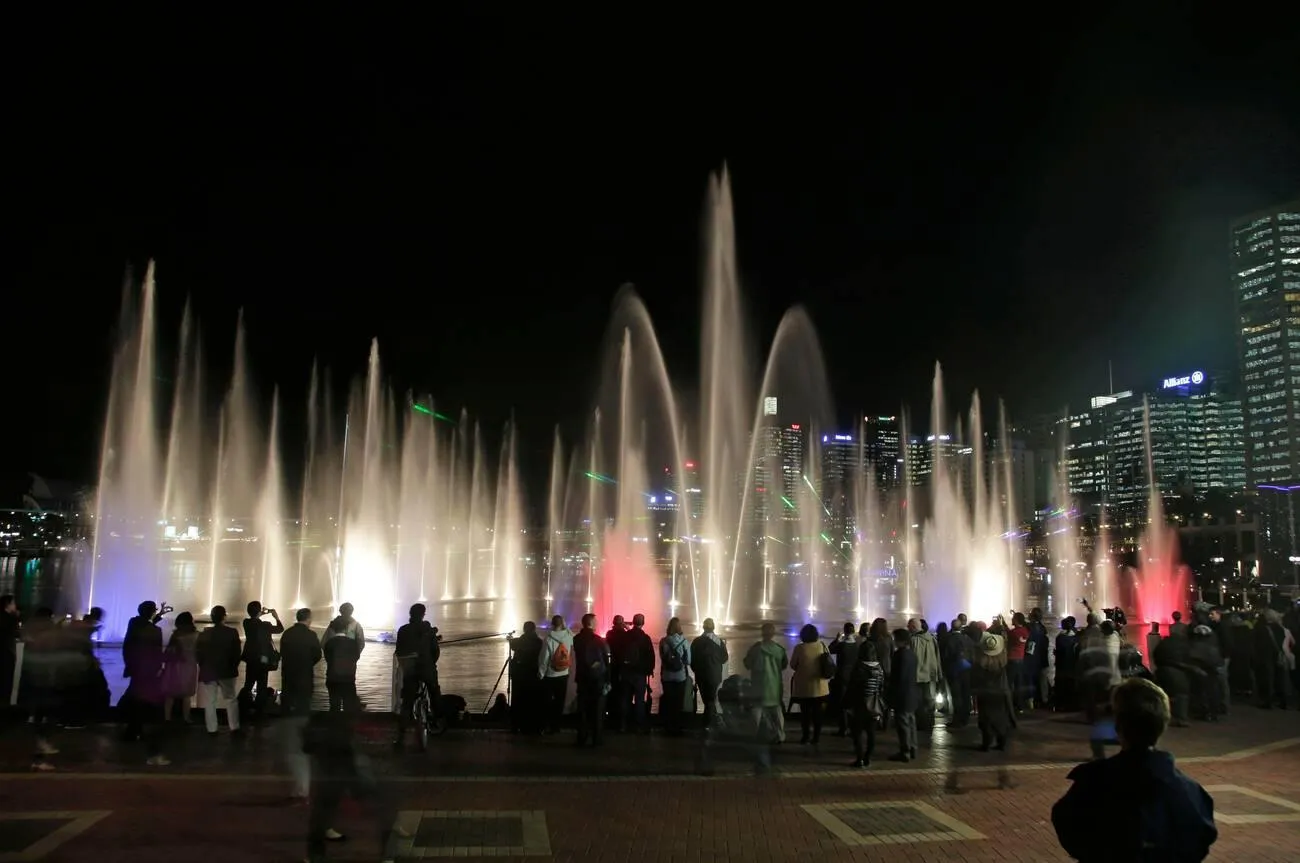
[(628, 584), (1158, 587)]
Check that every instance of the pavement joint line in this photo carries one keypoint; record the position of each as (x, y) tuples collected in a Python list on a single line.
[(778, 774), (1291, 815)]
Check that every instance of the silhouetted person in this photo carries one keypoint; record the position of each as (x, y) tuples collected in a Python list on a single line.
[(218, 654), (904, 695), (300, 651), (341, 654), (260, 656), (417, 653), (526, 689), (142, 651), (709, 662), (8, 650), (591, 673)]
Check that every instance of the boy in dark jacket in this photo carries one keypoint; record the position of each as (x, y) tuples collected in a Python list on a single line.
[(1150, 810)]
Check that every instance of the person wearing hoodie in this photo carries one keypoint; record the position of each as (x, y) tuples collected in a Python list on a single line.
[(553, 664), (766, 661), (1151, 811), (709, 662), (675, 660), (928, 671), (351, 628)]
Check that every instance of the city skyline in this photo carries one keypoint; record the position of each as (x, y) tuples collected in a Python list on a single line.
[(1058, 211)]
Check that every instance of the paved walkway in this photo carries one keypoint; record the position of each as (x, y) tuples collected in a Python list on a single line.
[(487, 793)]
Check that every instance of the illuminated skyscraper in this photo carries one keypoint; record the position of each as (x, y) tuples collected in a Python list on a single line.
[(1265, 262)]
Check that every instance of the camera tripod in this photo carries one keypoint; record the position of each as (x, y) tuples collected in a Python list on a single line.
[(510, 654)]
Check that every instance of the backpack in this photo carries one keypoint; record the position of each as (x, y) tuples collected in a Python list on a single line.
[(560, 658), (673, 661)]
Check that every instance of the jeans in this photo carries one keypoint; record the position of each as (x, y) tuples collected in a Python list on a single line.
[(863, 726), (299, 762), (225, 690), (634, 691), (925, 713), (591, 715), (255, 674), (670, 705), (343, 695), (959, 681), (906, 724), (1016, 679), (555, 690), (1224, 692)]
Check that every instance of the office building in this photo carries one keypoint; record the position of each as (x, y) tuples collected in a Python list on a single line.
[(1264, 250)]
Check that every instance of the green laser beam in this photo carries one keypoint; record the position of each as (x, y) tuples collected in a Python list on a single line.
[(421, 409), (599, 477)]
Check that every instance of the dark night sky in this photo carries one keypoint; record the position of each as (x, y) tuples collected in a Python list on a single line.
[(1020, 201)]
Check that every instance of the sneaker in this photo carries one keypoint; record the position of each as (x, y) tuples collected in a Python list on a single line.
[(334, 836), (45, 748), (42, 766), (158, 761)]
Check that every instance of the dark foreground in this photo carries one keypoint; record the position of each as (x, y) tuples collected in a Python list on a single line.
[(488, 793)]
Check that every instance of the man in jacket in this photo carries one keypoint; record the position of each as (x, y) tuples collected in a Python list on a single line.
[(259, 656), (417, 652), (709, 662), (591, 672), (925, 648), (300, 651), (218, 655), (904, 694), (638, 668)]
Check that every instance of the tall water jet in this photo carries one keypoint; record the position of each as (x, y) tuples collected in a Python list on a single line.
[(273, 539), (366, 575), (124, 564), (1159, 585), (725, 394), (971, 540), (554, 515)]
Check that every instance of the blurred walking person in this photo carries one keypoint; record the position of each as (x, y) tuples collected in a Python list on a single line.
[(300, 651)]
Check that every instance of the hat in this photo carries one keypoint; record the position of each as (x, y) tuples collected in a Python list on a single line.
[(991, 644), (1202, 630)]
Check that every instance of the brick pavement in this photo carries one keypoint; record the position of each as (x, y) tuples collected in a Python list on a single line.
[(639, 799)]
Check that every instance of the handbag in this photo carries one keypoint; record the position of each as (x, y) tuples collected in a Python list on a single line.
[(825, 664), (688, 695)]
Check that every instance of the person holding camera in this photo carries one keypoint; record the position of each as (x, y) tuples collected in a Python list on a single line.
[(142, 655), (260, 657), (417, 652)]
